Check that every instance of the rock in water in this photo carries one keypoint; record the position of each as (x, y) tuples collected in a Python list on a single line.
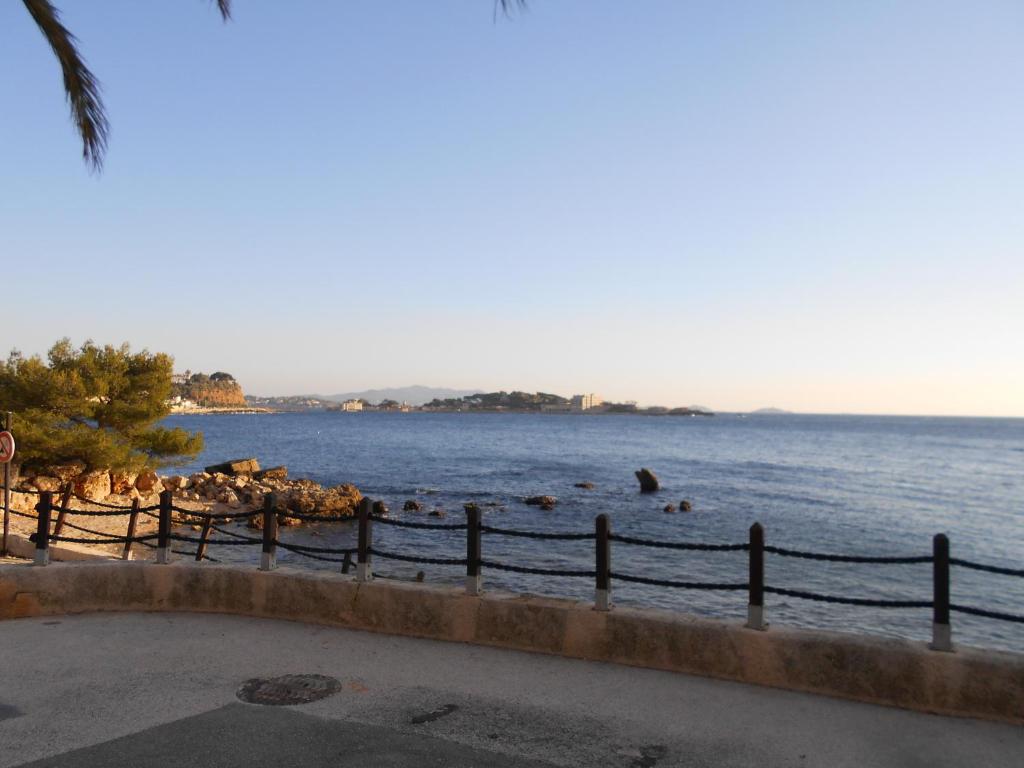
[(235, 467), (274, 473), (670, 508), (648, 481), (585, 486), (412, 506), (545, 502), (685, 506), (380, 509)]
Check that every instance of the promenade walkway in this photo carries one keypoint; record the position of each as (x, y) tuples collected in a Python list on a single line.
[(159, 690)]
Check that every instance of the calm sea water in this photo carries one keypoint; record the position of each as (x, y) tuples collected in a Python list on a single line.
[(842, 484)]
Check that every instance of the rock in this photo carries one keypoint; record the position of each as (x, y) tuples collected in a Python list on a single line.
[(175, 482), (412, 506), (94, 485), (685, 506), (380, 509), (273, 473), (66, 472), (44, 483), (148, 482), (545, 502), (587, 486), (198, 478), (669, 508), (122, 482), (235, 467), (648, 481), (438, 513)]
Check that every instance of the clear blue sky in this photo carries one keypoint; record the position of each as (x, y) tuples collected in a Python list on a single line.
[(813, 205)]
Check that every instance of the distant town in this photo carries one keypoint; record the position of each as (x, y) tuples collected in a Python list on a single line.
[(490, 402), (220, 392)]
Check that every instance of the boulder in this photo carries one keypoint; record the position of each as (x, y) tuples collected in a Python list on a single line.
[(176, 482), (438, 512), (685, 506), (94, 486), (380, 509), (66, 472), (121, 483), (235, 467), (44, 483), (148, 482), (648, 481), (586, 486), (669, 508), (412, 506), (273, 473), (544, 502)]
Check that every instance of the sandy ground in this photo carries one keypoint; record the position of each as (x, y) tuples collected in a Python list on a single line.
[(24, 520)]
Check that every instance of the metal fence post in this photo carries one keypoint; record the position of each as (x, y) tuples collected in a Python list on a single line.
[(133, 519), (268, 559), (942, 634), (364, 566), (43, 508), (163, 531), (755, 604), (473, 550), (204, 538), (8, 422), (603, 590), (65, 502)]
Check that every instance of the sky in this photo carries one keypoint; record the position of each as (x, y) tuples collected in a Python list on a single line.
[(812, 205)]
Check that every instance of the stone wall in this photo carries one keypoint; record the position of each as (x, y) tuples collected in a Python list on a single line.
[(968, 683)]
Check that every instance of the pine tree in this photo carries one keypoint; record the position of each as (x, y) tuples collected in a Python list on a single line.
[(99, 405)]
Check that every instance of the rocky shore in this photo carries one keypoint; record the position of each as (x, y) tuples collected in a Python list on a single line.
[(233, 486)]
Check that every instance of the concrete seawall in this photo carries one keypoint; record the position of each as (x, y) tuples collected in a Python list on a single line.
[(968, 683)]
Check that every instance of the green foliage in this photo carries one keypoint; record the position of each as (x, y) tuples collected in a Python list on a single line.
[(96, 404)]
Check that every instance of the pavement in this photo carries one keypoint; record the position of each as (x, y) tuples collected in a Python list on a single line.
[(160, 690)]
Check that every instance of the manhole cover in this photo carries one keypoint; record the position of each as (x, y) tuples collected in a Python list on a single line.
[(287, 689)]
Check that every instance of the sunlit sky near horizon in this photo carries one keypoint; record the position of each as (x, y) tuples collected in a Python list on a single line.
[(812, 205)]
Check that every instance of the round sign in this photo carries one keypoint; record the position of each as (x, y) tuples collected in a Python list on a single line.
[(6, 447)]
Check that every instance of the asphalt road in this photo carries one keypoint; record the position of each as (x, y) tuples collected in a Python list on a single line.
[(160, 690)]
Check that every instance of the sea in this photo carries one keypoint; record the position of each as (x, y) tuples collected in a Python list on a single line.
[(852, 485)]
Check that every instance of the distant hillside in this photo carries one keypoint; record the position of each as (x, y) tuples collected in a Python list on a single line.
[(771, 412), (218, 390), (503, 401), (415, 395)]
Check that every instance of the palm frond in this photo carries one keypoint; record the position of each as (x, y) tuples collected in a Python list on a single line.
[(80, 85), (224, 6)]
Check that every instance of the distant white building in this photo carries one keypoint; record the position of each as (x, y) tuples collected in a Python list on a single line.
[(586, 402), (352, 405)]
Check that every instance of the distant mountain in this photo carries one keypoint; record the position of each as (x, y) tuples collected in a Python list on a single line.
[(700, 408), (415, 395), (770, 412)]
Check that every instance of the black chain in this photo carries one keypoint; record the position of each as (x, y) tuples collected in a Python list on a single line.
[(418, 560), (536, 571), (987, 614), (680, 544), (847, 558), (986, 568), (849, 600), (677, 584), (423, 526), (537, 535)]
